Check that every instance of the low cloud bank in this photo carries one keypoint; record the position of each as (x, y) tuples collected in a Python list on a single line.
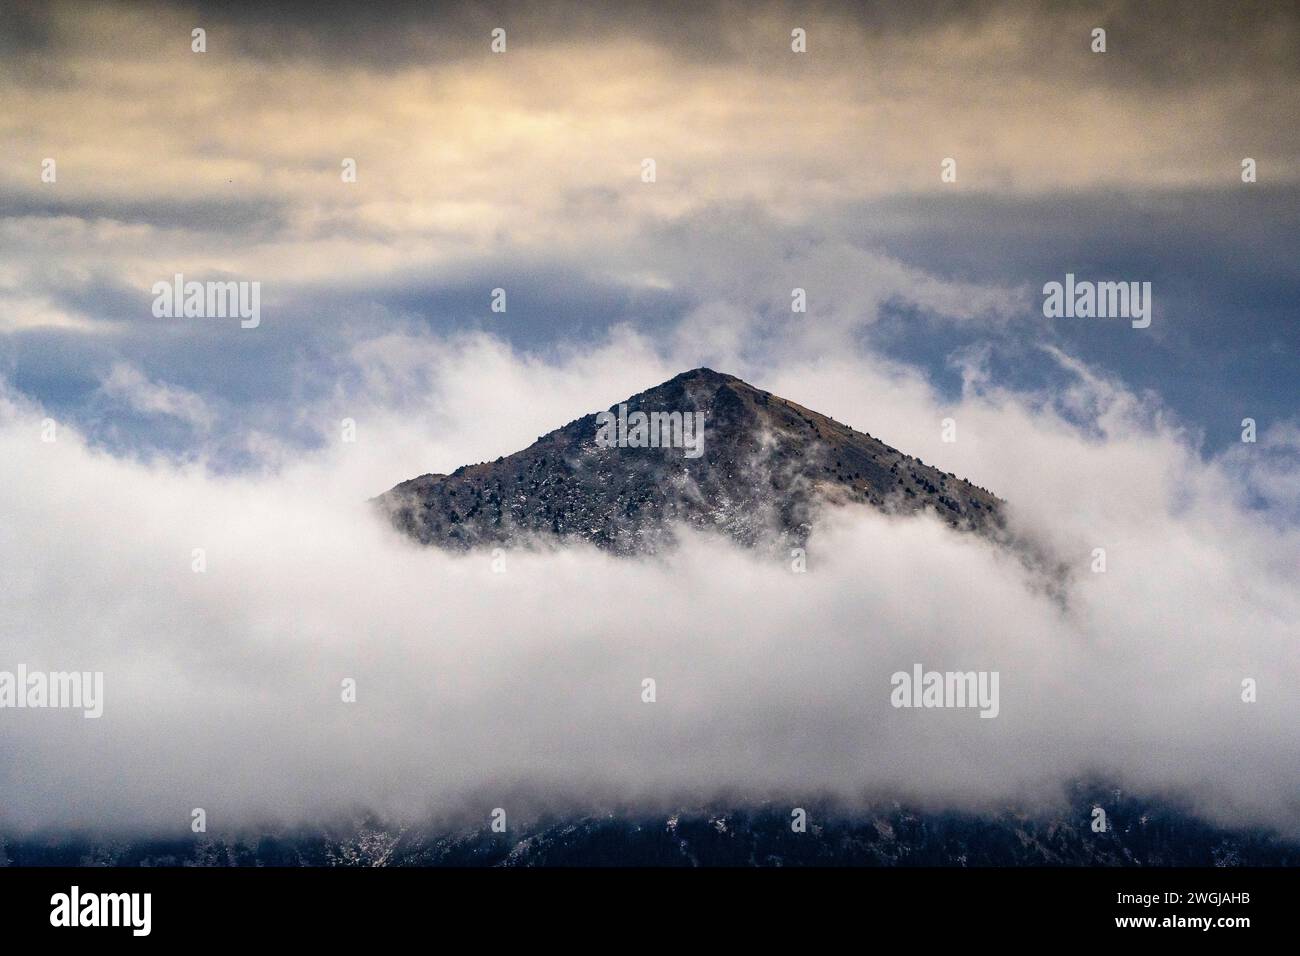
[(223, 689)]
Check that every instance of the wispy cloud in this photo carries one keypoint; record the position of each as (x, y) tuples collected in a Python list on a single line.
[(128, 385)]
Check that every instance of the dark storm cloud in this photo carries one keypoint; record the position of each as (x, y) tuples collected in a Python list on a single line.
[(27, 28), (249, 219), (1153, 43), (1172, 44)]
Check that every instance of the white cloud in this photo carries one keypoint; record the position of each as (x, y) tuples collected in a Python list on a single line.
[(19, 313), (222, 689), (128, 385)]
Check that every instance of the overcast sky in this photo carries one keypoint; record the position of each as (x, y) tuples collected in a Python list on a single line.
[(522, 170)]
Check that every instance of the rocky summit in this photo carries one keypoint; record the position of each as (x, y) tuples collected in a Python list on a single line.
[(704, 450)]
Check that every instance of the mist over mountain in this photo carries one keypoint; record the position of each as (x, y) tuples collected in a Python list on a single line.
[(480, 689)]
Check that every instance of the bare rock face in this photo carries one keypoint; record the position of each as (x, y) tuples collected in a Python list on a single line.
[(760, 472)]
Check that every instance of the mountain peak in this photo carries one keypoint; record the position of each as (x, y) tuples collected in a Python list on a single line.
[(704, 374), (703, 449)]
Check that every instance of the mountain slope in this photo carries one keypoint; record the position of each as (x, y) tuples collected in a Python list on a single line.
[(766, 467), (1142, 833)]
